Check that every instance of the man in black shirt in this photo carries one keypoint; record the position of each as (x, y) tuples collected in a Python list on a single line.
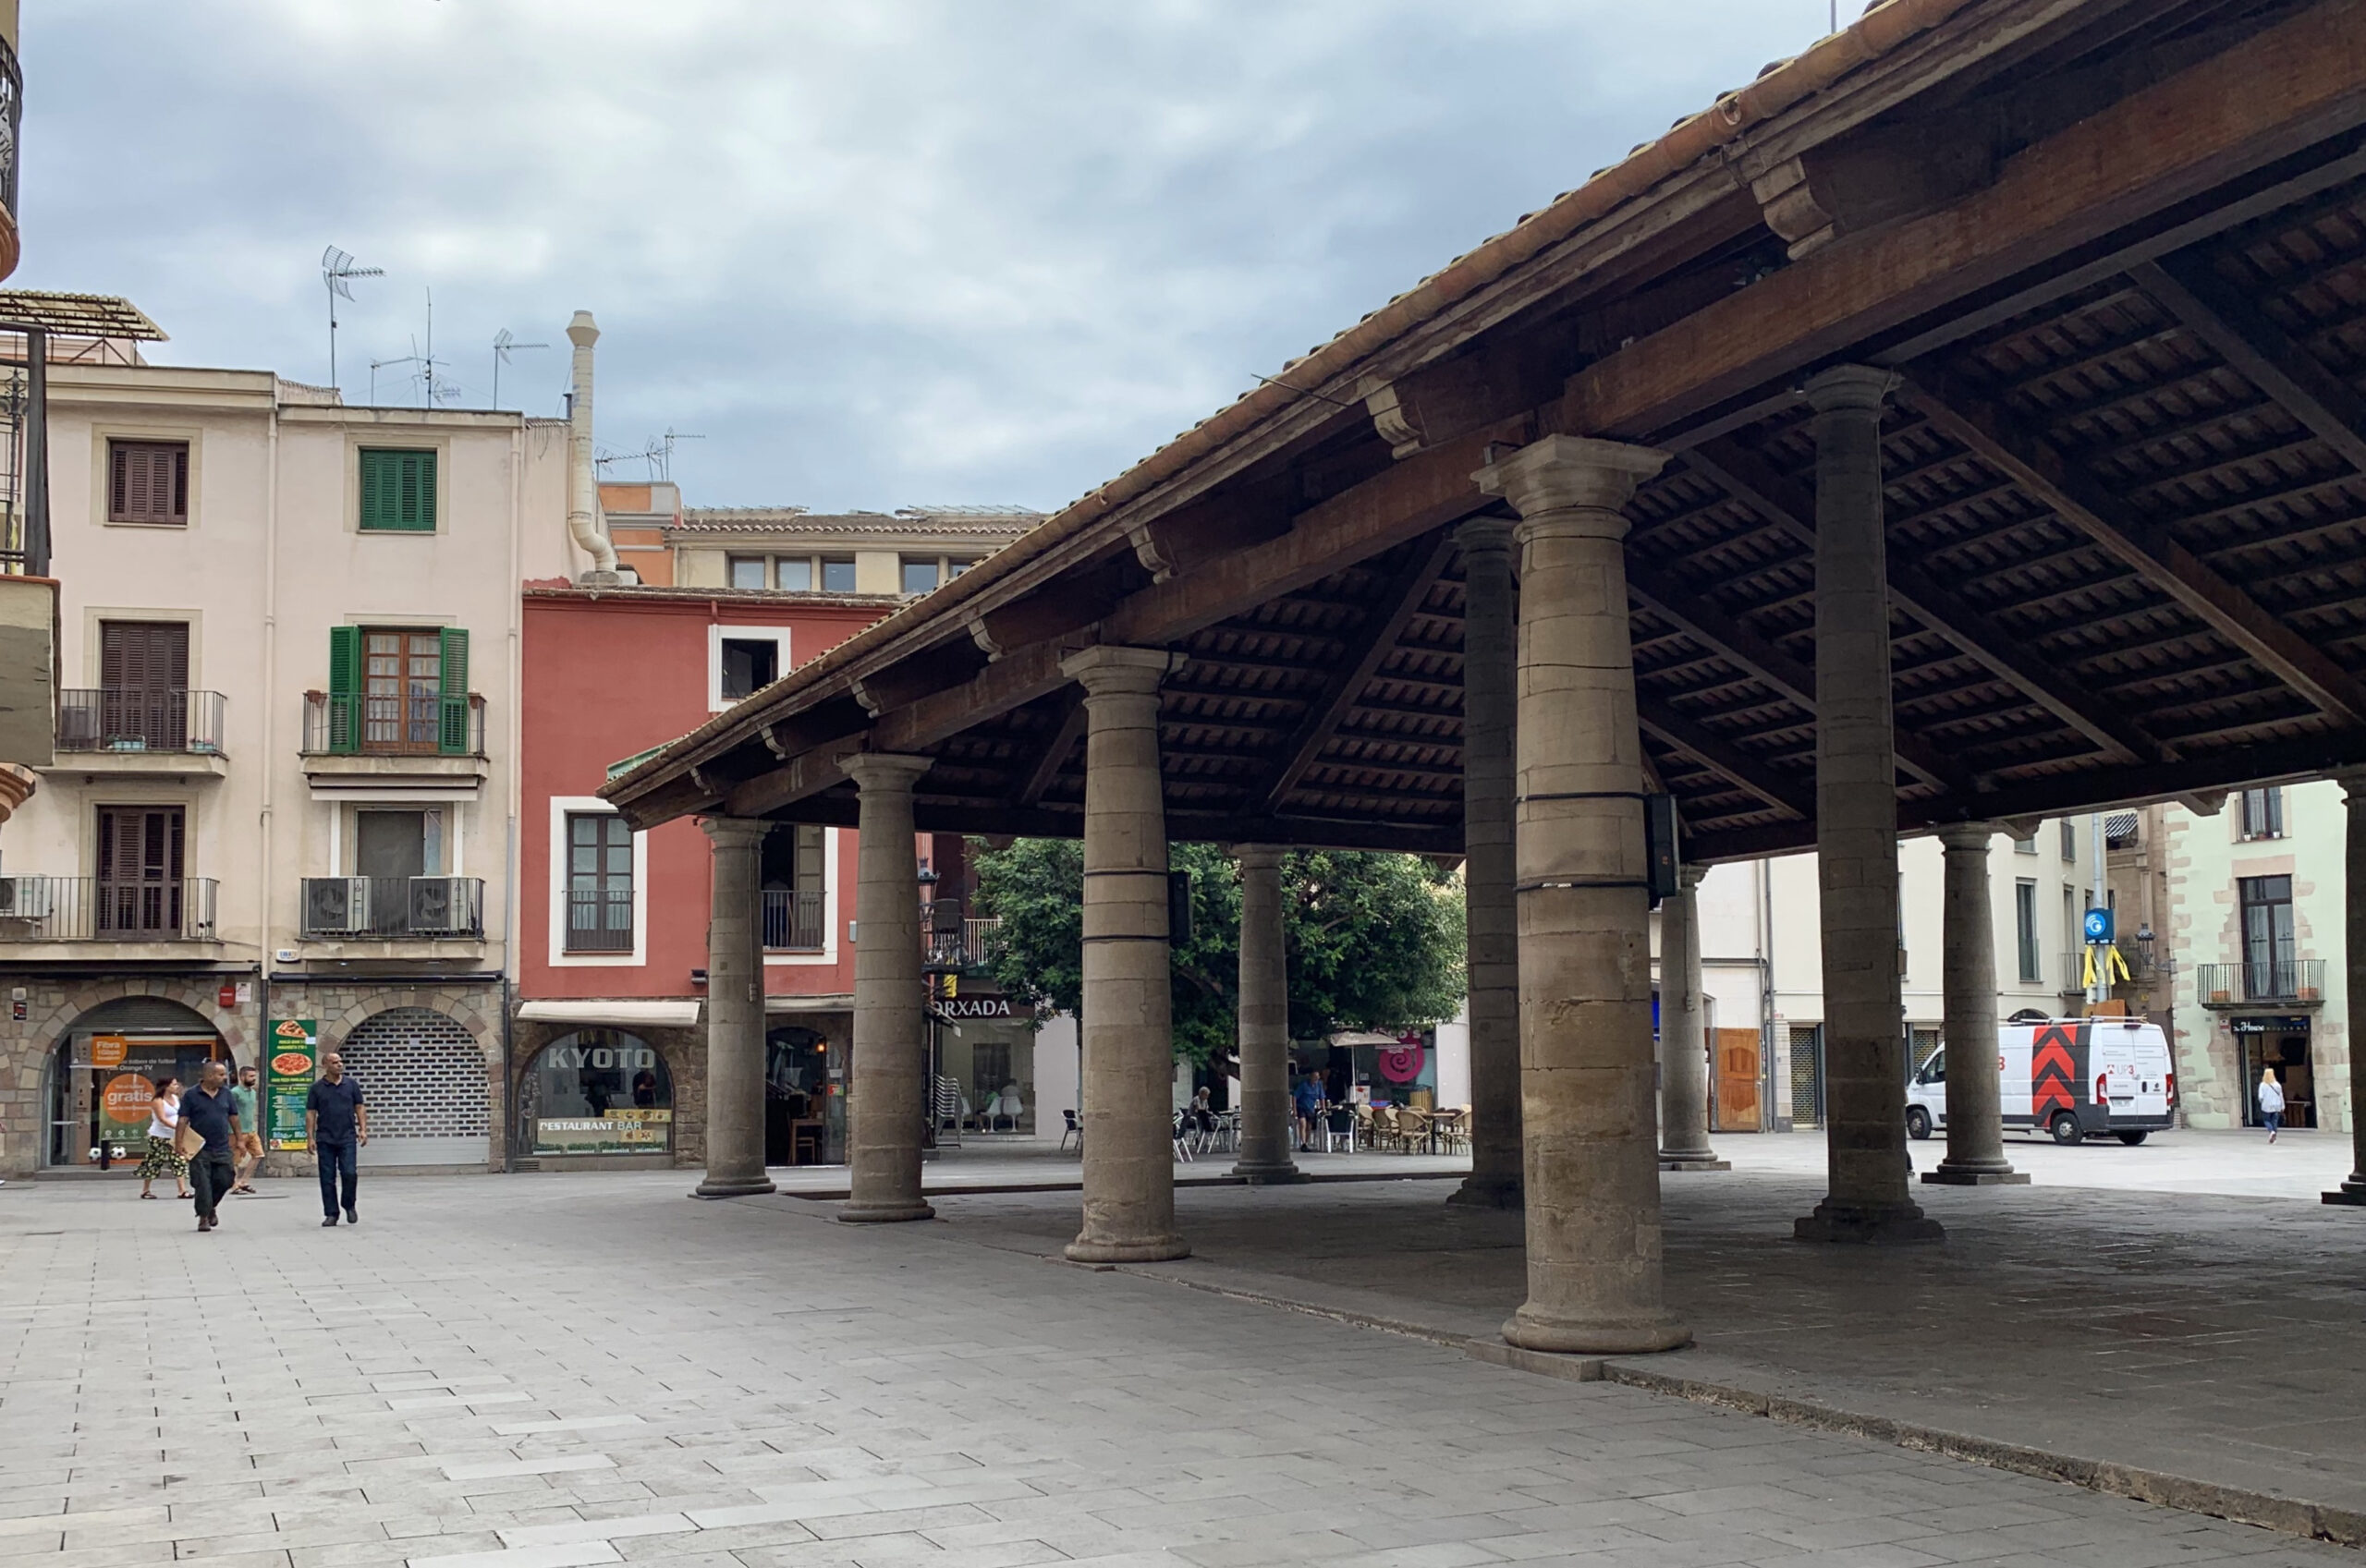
[(209, 1109), (337, 1123)]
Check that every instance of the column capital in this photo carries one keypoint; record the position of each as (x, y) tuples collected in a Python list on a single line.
[(1571, 473), (885, 771), (734, 832), (1258, 857), (1113, 670), (1968, 837), (1862, 387), (1480, 536), (2353, 785), (1691, 877)]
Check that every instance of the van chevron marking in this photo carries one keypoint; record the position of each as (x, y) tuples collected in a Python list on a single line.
[(2054, 1067)]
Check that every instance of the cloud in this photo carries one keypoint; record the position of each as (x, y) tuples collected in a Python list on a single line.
[(899, 251)]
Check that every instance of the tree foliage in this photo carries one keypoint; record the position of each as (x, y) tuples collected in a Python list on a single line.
[(1372, 941)]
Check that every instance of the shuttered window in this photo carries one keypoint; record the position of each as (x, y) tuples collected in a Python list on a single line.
[(397, 491), (148, 482)]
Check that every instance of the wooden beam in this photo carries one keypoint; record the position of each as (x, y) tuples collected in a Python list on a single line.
[(1371, 645), (2273, 94), (2079, 500), (1725, 759), (1057, 749), (1785, 504), (2240, 333)]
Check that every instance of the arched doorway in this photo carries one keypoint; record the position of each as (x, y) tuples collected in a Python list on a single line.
[(596, 1091), (104, 1069), (423, 1078), (804, 1122)]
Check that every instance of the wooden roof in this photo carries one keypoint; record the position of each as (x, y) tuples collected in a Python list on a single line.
[(2115, 252)]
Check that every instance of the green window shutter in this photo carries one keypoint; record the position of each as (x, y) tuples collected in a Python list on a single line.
[(452, 734), (345, 690), (419, 491), (397, 491)]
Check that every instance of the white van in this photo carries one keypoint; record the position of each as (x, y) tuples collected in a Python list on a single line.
[(2075, 1077)]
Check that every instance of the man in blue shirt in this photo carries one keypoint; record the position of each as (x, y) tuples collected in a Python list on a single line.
[(1309, 1097), (210, 1109), (337, 1123)]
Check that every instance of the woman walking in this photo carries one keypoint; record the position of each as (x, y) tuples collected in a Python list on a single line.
[(163, 1124), (2271, 1102)]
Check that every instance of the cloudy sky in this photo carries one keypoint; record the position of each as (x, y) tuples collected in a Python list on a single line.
[(875, 252)]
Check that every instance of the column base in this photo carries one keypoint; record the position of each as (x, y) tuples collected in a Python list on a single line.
[(1612, 1333), (734, 1187), (1694, 1163), (1488, 1192), (1997, 1175), (1153, 1249), (1278, 1175), (2352, 1191), (1902, 1224), (883, 1213)]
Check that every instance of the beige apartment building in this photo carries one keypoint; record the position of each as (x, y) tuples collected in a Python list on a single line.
[(284, 784)]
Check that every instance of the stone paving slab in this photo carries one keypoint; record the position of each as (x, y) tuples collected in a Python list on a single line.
[(808, 1393)]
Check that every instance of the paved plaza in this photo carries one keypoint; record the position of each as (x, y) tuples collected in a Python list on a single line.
[(547, 1371)]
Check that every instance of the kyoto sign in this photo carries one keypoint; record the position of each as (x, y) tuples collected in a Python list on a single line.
[(294, 1045)]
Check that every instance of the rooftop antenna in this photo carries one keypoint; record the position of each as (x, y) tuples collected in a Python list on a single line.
[(504, 346), (433, 388), (658, 455), (337, 268)]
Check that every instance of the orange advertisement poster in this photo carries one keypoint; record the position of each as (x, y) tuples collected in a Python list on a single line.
[(125, 1099), (107, 1050)]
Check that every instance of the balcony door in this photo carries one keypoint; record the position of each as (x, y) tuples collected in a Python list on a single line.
[(139, 884), (402, 687), (143, 686), (2268, 952)]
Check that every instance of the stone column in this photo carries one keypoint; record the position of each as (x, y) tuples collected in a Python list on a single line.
[(1968, 984), (1589, 1163), (2353, 793), (1128, 1026), (1857, 829), (1684, 1034), (1266, 1153), (1490, 702), (735, 1014), (887, 1106)]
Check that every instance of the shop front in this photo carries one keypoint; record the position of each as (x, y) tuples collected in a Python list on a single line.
[(598, 1092), (984, 1049), (2279, 1043), (107, 1068), (805, 1102), (1382, 1069)]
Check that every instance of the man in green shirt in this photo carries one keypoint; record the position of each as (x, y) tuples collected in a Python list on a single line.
[(247, 1146)]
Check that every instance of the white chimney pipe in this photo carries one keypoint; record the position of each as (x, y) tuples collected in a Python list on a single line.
[(582, 486)]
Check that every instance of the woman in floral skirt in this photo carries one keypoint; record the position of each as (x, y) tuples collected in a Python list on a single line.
[(162, 1158)]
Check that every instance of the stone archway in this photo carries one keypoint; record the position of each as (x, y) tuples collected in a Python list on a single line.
[(87, 1102)]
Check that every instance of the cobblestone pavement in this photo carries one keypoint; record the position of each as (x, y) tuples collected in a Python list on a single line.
[(554, 1371)]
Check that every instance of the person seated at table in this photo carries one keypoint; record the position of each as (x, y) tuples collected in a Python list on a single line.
[(1307, 1097)]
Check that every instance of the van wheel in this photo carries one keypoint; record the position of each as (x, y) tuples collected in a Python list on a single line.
[(2064, 1128), (1917, 1122), (2131, 1140)]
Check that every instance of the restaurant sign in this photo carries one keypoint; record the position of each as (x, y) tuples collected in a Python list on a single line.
[(627, 1129), (955, 1008), (287, 1082)]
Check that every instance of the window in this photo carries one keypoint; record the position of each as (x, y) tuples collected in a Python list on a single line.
[(2026, 845), (747, 571), (398, 844), (407, 688), (2025, 928), (598, 882), (397, 491), (955, 567), (796, 574), (2262, 813), (143, 700), (2266, 904), (148, 482), (598, 1091), (2069, 840), (920, 576), (837, 573), (139, 888), (750, 664), (791, 875)]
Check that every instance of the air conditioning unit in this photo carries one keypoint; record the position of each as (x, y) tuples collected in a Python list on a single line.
[(25, 897), (336, 905), (444, 906)]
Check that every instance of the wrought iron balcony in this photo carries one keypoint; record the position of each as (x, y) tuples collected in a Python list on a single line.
[(2285, 982), (425, 725), (794, 922), (106, 909), (951, 944), (598, 919), (140, 718), (388, 908)]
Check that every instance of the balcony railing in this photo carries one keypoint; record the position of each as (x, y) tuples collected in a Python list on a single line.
[(598, 919), (794, 921), (131, 719), (2266, 979), (105, 909), (342, 724), (383, 908), (951, 944)]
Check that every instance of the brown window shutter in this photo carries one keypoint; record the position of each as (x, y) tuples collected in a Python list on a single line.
[(148, 482), (119, 480)]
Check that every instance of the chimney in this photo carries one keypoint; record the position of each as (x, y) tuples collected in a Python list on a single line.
[(583, 520)]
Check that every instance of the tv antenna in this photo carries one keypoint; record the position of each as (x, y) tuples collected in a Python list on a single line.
[(337, 270), (433, 388), (504, 346), (658, 455)]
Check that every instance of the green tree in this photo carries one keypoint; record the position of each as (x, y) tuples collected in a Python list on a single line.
[(1373, 941)]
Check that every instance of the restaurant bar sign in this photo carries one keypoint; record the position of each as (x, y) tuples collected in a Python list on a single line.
[(953, 1009), (287, 1081), (625, 1129), (2293, 1026)]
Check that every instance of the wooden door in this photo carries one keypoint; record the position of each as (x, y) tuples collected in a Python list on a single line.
[(1734, 1055), (402, 677), (143, 684), (139, 884)]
